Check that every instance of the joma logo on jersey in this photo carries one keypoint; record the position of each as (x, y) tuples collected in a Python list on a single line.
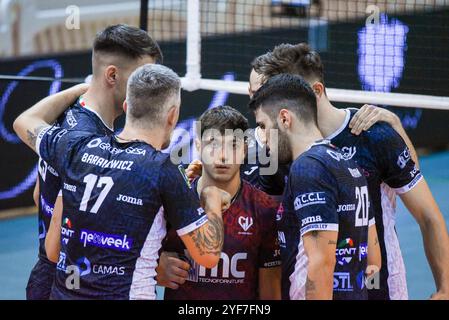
[(346, 207), (308, 199), (403, 158), (245, 222), (311, 220), (131, 200)]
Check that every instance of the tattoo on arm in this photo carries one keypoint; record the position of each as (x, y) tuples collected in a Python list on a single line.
[(376, 241), (32, 135), (332, 242), (209, 239)]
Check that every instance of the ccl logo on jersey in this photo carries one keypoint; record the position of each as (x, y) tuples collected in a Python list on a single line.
[(231, 271), (308, 199)]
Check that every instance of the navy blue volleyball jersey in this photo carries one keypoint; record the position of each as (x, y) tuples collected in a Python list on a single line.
[(387, 165), (112, 225), (325, 192), (77, 118), (273, 184)]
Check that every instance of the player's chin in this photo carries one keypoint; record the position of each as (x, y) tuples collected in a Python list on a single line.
[(222, 175)]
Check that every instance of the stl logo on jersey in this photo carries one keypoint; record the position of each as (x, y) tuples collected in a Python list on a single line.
[(245, 223)]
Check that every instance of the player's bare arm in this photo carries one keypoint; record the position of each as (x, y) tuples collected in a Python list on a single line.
[(29, 124), (368, 115), (53, 239), (270, 283), (320, 249), (374, 255), (171, 270), (206, 242), (420, 202)]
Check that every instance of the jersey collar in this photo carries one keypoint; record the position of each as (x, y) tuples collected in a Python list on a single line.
[(85, 106), (342, 127)]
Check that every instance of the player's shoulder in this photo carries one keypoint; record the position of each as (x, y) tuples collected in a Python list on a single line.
[(380, 132), (258, 197), (317, 156)]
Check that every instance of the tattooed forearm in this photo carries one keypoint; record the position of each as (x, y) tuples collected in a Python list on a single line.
[(209, 238)]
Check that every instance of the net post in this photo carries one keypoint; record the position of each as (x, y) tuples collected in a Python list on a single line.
[(192, 79)]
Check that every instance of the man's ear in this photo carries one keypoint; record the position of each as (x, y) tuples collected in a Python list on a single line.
[(172, 116), (110, 74), (318, 89), (284, 119), (125, 106)]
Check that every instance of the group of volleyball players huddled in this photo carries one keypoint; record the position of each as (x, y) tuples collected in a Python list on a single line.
[(300, 207)]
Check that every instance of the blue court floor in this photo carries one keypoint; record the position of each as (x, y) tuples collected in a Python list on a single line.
[(18, 240)]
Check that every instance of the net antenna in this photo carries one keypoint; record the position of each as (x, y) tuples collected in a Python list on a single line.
[(193, 80)]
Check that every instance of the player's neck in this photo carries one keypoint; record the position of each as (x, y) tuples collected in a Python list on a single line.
[(329, 117), (232, 186), (102, 102), (300, 143), (154, 137)]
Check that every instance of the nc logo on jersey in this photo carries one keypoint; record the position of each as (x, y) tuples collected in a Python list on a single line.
[(308, 199), (245, 223)]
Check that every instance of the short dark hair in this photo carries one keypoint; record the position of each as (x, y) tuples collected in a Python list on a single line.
[(297, 59), (128, 41), (287, 91), (221, 118)]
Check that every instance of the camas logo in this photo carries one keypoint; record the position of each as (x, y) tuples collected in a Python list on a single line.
[(86, 267)]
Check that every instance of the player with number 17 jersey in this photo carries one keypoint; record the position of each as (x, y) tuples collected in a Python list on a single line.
[(113, 225)]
